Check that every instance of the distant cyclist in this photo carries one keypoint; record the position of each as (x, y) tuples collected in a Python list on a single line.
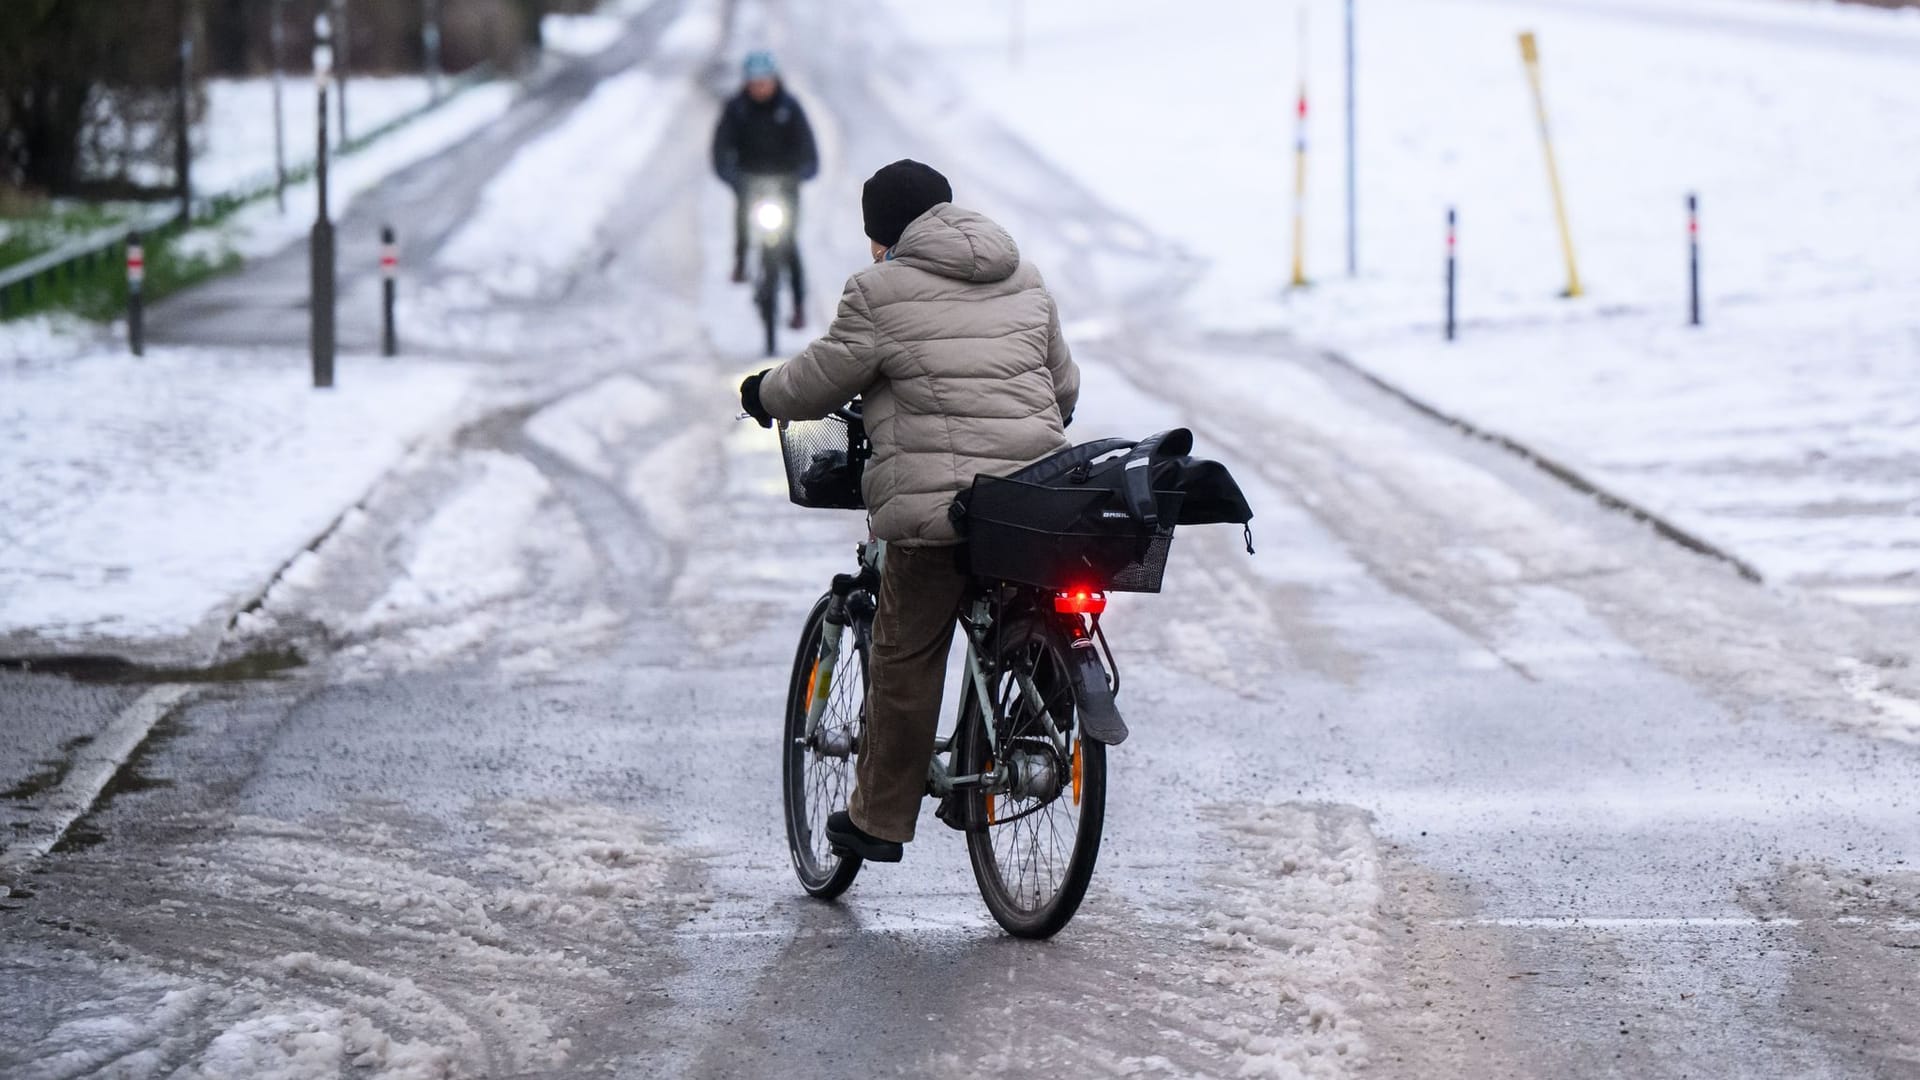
[(763, 132)]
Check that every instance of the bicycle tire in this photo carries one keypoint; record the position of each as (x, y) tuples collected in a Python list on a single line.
[(1047, 911), (767, 294), (822, 873)]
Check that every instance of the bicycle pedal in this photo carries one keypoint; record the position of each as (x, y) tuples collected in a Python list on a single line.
[(952, 810)]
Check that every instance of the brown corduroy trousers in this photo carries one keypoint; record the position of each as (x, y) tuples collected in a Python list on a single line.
[(921, 590)]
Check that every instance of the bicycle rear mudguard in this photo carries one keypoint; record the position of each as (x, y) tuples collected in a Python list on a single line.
[(1093, 695)]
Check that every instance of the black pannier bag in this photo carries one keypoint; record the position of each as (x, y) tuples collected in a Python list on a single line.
[(1096, 516)]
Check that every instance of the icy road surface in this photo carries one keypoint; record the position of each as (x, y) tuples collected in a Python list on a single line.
[(1460, 775)]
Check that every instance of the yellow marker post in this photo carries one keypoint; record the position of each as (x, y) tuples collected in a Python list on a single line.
[(1530, 54), (1300, 167)]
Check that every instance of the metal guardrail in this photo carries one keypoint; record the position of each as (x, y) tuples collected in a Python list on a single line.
[(73, 258), (21, 283)]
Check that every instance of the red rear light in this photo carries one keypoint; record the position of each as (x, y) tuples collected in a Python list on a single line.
[(1080, 602)]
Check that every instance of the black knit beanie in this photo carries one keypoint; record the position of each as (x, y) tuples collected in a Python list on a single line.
[(897, 194)]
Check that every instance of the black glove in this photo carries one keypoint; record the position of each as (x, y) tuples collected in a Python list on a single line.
[(750, 399)]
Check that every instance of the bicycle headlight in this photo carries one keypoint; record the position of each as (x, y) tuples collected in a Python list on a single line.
[(770, 216)]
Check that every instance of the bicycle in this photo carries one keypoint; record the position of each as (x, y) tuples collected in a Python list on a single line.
[(1023, 773), (770, 203)]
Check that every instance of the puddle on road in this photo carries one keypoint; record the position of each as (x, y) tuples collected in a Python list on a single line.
[(115, 670), (50, 774)]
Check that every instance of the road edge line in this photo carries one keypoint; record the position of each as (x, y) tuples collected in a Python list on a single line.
[(95, 766), (1559, 470)]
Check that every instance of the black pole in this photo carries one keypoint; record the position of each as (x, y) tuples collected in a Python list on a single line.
[(182, 151), (430, 36), (1452, 275), (389, 267), (277, 39), (1693, 257), (340, 64), (136, 305), (321, 244)]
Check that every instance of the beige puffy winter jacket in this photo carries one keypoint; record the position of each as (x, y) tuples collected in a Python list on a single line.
[(955, 344)]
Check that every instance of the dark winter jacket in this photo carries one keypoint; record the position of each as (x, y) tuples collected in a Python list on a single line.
[(771, 139)]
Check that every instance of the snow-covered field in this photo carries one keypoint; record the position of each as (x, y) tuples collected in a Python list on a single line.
[(1784, 430), (261, 228), (579, 35), (233, 146), (147, 498)]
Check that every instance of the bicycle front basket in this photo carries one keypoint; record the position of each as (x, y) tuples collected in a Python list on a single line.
[(1065, 537), (823, 471)]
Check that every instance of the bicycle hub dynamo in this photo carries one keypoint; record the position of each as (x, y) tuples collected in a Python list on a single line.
[(1032, 774), (837, 742)]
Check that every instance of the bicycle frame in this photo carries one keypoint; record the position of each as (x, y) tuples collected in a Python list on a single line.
[(977, 623)]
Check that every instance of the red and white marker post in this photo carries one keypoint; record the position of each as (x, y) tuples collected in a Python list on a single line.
[(1299, 277), (136, 282), (389, 270), (1693, 258), (1453, 220)]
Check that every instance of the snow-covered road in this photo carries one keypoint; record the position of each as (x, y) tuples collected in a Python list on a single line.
[(1461, 775)]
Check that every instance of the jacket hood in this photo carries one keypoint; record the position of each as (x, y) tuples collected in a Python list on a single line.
[(961, 244)]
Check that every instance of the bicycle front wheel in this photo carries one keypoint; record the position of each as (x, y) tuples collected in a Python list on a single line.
[(766, 295), (818, 771), (1034, 844)]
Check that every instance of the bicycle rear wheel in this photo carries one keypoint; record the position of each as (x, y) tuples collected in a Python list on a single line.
[(818, 775), (1033, 847)]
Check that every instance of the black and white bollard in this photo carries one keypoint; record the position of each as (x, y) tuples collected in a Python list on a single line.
[(136, 283), (1452, 272), (1693, 259), (389, 268)]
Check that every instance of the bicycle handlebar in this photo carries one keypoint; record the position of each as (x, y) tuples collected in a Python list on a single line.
[(850, 412)]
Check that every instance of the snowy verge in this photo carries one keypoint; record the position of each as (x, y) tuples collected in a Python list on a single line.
[(453, 558), (1771, 433), (152, 498), (47, 337)]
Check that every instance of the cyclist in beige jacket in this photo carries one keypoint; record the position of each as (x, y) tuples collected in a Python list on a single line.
[(953, 342)]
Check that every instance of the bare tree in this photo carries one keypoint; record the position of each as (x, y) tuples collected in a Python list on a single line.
[(60, 60)]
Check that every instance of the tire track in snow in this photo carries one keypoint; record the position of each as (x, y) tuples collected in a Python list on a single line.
[(348, 936)]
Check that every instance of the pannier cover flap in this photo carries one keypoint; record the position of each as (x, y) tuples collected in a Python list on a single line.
[(1210, 495)]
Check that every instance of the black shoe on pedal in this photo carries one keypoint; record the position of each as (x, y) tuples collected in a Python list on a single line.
[(848, 839)]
